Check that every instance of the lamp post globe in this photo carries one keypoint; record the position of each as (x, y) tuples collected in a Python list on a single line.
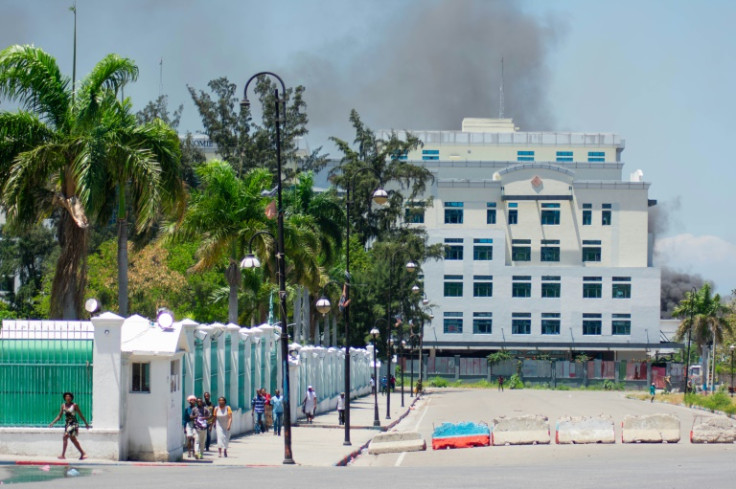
[(250, 262), (380, 196), (323, 305), (411, 267)]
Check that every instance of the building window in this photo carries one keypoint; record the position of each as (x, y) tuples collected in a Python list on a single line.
[(621, 288), (453, 323), (453, 212), (482, 323), (564, 156), (490, 213), (396, 155), (592, 288), (174, 375), (482, 285), (525, 156), (591, 324), (621, 324), (550, 250), (483, 249), (587, 214), (453, 251), (550, 286), (430, 154), (550, 323), (606, 215), (521, 286), (141, 377), (453, 285), (551, 214), (521, 323), (591, 250), (596, 156), (521, 250), (513, 213), (414, 213)]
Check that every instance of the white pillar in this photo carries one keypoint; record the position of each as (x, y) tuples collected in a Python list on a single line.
[(107, 388), (233, 331)]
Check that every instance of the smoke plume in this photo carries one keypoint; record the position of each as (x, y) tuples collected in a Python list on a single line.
[(675, 283), (434, 65)]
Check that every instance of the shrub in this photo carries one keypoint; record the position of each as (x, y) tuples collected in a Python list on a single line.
[(438, 382), (515, 382), (457, 383)]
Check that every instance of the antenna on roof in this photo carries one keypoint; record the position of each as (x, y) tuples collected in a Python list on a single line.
[(500, 98), (160, 77)]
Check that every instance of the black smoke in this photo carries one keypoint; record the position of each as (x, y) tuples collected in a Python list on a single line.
[(435, 64)]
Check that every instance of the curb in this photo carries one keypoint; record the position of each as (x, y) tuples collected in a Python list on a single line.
[(343, 462)]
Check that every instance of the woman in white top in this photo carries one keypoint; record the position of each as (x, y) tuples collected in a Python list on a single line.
[(223, 421), (310, 404)]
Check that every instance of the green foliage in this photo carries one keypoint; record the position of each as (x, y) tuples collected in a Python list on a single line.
[(702, 315), (498, 357), (438, 382), (515, 382), (457, 383), (611, 385), (718, 401)]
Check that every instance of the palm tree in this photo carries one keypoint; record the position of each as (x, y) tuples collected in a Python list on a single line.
[(709, 317), (142, 163), (224, 212), (50, 154)]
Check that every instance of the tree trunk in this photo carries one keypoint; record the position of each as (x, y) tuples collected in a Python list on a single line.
[(123, 267), (233, 276), (70, 277)]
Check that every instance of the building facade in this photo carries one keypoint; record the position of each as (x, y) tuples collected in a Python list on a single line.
[(547, 246)]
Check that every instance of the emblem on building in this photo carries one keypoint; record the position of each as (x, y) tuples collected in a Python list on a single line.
[(536, 182)]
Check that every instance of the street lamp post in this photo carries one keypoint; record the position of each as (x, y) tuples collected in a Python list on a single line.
[(403, 366), (689, 335), (732, 348), (374, 335), (410, 267), (280, 256)]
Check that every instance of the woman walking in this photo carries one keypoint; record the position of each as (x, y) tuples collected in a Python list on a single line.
[(223, 421), (71, 426), (310, 404), (202, 415)]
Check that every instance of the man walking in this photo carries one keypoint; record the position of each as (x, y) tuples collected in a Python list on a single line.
[(258, 405), (211, 421), (277, 403)]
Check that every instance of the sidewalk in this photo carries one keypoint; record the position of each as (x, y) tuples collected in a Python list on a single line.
[(317, 444)]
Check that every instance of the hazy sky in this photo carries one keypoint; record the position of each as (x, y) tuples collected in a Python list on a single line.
[(662, 74)]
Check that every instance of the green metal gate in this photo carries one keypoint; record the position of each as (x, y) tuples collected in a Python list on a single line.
[(38, 365)]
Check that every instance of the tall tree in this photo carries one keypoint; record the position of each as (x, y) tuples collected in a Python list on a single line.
[(247, 144), (224, 213), (372, 163), (49, 153), (140, 166), (703, 316)]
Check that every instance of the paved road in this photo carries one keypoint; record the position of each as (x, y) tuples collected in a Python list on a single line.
[(554, 466)]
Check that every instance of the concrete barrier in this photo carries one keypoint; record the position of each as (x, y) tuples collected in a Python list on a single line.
[(714, 430), (586, 429), (397, 442), (520, 430), (652, 428)]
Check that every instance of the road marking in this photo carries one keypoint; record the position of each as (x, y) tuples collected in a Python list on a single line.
[(416, 428)]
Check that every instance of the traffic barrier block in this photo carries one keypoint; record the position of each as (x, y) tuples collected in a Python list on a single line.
[(397, 442), (520, 430), (714, 430), (461, 435), (585, 429), (652, 428)]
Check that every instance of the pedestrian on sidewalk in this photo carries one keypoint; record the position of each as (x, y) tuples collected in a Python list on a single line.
[(500, 383), (384, 384), (258, 406), (223, 419), (187, 422), (277, 404), (373, 385), (341, 409), (652, 391), (310, 404), (210, 422), (203, 416), (268, 413), (69, 409), (392, 381)]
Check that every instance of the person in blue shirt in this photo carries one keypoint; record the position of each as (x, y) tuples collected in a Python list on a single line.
[(258, 404), (277, 402), (187, 422)]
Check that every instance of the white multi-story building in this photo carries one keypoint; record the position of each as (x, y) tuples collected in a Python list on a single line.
[(547, 247)]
